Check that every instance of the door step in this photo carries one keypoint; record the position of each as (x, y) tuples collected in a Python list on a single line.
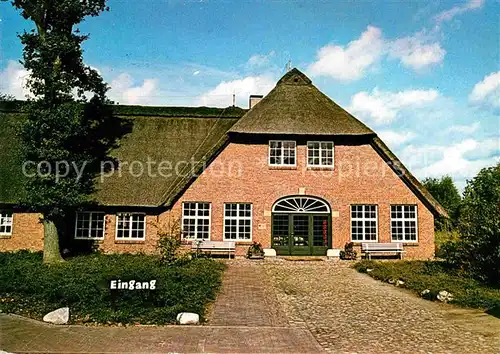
[(303, 258)]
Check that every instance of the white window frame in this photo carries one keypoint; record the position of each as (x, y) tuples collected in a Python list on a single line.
[(320, 151), (282, 153), (196, 217), (238, 218), (129, 238), (4, 214), (363, 219), (403, 219), (90, 225)]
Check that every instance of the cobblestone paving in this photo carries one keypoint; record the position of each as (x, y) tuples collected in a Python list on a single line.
[(349, 312)]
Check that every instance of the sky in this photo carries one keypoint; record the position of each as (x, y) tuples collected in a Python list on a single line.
[(424, 75)]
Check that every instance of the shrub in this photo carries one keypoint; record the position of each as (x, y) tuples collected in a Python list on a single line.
[(348, 253), (435, 276), (30, 288), (478, 249), (169, 241)]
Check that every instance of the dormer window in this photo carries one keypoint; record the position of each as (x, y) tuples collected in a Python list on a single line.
[(320, 154), (282, 153)]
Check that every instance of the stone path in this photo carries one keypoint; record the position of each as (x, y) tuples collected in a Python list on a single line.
[(350, 312), (20, 335), (247, 298)]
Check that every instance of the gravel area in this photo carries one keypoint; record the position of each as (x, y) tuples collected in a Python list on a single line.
[(350, 312)]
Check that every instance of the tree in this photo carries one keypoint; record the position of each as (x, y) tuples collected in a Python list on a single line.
[(6, 97), (66, 135), (446, 193), (478, 248)]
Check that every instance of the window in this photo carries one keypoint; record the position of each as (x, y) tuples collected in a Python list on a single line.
[(301, 205), (364, 223), (281, 153), (404, 223), (320, 153), (5, 223), (196, 220), (238, 222), (89, 225), (131, 226)]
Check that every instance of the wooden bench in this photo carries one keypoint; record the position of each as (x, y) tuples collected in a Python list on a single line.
[(210, 247), (372, 247)]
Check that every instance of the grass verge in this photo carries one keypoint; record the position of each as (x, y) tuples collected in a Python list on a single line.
[(29, 288), (435, 276)]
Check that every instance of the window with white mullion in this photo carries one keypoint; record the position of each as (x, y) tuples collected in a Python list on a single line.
[(364, 223), (196, 220), (5, 223), (282, 153), (130, 226), (404, 223), (89, 225), (320, 153), (238, 221)]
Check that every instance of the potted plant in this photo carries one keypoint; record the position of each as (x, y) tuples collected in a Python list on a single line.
[(255, 251), (348, 253)]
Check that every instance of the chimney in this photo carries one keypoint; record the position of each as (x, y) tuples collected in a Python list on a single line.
[(254, 99)]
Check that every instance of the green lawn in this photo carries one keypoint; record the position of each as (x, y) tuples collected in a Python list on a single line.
[(436, 276), (83, 283)]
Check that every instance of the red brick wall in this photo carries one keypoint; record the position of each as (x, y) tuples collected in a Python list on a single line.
[(27, 233), (241, 174)]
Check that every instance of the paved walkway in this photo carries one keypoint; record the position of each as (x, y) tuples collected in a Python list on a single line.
[(19, 335), (247, 298)]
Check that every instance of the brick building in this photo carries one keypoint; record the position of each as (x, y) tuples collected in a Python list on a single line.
[(295, 172)]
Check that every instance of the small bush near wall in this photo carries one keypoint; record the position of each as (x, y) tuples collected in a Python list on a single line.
[(29, 288), (435, 276)]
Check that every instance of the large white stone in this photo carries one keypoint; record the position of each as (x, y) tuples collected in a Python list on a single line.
[(188, 318), (444, 296), (333, 253), (269, 252), (59, 316)]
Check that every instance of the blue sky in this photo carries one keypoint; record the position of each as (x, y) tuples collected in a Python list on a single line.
[(423, 74)]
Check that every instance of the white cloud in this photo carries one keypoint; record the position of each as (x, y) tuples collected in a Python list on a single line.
[(417, 52), (222, 94), (487, 90), (259, 60), (382, 107), (124, 92), (461, 160), (352, 61), (393, 138), (464, 129), (449, 14), (13, 80)]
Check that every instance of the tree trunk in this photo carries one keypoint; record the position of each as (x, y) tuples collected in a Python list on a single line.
[(51, 253)]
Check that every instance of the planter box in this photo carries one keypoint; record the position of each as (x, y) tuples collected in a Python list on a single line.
[(256, 257)]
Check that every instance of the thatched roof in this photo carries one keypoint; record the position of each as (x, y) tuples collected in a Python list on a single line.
[(196, 135), (172, 134), (296, 106)]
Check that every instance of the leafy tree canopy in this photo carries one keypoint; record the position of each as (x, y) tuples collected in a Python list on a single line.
[(478, 249), (69, 128), (446, 193)]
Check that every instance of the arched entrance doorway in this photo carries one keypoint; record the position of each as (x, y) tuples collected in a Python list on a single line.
[(301, 226)]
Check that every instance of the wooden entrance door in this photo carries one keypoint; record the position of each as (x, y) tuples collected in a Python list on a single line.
[(301, 234)]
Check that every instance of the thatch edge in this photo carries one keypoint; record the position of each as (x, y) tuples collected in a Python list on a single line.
[(411, 181)]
